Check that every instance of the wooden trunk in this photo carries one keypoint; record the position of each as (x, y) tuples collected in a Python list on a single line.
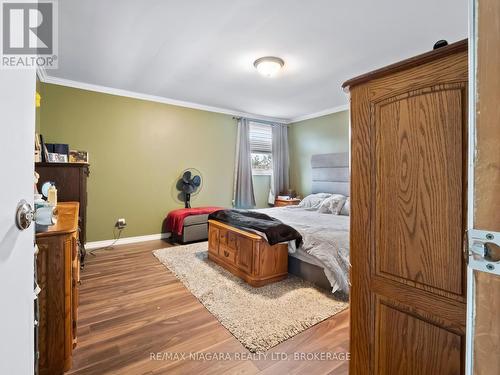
[(408, 215), (58, 273), (246, 254)]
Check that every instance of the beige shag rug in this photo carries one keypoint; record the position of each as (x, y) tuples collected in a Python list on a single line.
[(259, 318)]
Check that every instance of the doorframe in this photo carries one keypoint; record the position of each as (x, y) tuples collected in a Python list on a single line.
[(471, 310)]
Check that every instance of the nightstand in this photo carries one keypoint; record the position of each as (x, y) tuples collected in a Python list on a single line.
[(286, 202)]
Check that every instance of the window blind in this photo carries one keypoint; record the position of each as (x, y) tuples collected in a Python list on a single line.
[(261, 138)]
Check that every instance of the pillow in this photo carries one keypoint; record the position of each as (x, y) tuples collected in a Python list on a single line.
[(346, 210), (313, 201), (333, 204)]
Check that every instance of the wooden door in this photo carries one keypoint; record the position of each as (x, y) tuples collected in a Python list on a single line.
[(17, 111), (484, 312), (408, 194)]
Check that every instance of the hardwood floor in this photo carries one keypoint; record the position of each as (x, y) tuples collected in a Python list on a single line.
[(132, 308)]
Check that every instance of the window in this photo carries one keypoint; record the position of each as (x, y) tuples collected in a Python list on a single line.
[(261, 147)]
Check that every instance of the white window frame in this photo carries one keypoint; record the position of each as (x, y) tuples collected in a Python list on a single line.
[(261, 172)]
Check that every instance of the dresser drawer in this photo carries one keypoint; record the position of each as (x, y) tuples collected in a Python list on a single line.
[(228, 254)]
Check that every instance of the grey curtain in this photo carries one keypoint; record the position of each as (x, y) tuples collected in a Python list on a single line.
[(243, 185), (281, 161)]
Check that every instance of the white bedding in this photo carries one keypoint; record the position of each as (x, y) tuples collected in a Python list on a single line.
[(325, 237)]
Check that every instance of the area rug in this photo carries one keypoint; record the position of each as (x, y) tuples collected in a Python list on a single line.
[(259, 318)]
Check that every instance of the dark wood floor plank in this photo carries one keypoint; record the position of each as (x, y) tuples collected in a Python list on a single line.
[(132, 306)]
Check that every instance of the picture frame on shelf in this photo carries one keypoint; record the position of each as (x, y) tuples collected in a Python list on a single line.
[(57, 158), (76, 156)]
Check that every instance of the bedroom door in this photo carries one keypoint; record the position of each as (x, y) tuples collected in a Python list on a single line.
[(408, 216), (17, 125)]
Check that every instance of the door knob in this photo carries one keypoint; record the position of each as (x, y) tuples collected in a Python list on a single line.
[(24, 215), (491, 252)]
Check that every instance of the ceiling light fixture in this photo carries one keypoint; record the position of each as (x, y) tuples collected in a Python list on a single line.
[(269, 66)]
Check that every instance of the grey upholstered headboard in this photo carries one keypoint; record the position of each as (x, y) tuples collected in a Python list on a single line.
[(330, 173)]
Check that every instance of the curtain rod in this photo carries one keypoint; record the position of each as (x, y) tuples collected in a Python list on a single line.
[(257, 120)]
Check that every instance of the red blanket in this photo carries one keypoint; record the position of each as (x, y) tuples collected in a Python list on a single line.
[(175, 218)]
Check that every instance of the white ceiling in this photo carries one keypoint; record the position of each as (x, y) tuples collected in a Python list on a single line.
[(202, 51)]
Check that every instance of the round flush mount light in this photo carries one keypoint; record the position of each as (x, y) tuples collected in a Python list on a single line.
[(269, 66)]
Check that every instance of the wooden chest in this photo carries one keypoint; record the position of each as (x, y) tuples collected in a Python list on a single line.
[(246, 255)]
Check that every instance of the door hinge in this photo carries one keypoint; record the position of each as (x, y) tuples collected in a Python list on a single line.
[(484, 251)]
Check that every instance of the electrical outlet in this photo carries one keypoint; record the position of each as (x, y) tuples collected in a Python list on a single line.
[(121, 223)]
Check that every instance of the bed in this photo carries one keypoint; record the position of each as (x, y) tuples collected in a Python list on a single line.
[(312, 245), (323, 258)]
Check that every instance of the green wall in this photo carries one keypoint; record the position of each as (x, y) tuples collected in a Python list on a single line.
[(320, 135), (37, 109), (137, 149)]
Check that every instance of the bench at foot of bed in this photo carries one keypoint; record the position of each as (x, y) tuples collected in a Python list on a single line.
[(246, 255)]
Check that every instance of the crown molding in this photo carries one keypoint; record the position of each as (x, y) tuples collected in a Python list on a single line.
[(324, 112), (41, 73), (43, 77), (152, 98)]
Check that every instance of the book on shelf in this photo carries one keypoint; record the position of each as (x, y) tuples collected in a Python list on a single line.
[(58, 148), (44, 157)]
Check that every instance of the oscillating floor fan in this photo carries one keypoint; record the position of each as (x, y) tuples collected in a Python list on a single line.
[(189, 184)]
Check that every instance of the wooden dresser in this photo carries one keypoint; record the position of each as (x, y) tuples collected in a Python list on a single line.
[(71, 183), (286, 202), (246, 254), (408, 215), (58, 272)]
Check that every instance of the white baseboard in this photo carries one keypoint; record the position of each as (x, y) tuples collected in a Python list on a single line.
[(126, 240)]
